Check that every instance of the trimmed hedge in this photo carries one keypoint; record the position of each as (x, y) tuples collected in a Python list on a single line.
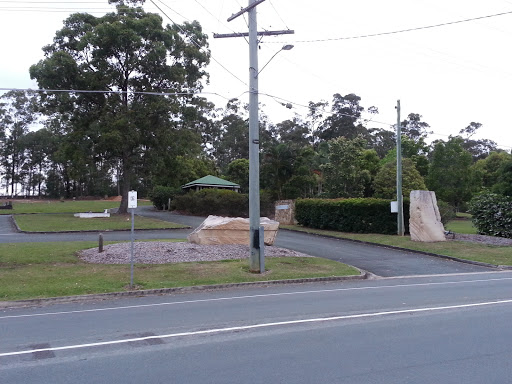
[(357, 215), (492, 214), (220, 202)]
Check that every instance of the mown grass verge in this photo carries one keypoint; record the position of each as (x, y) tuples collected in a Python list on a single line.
[(67, 222), (66, 206), (39, 270), (497, 255)]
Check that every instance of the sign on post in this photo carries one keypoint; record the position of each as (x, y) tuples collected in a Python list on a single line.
[(132, 199), (132, 204)]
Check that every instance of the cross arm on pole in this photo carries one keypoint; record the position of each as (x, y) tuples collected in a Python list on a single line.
[(245, 34), (246, 9)]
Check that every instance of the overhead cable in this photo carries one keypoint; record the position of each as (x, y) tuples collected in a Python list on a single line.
[(402, 30)]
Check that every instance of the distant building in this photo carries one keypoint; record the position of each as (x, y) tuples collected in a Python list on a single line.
[(210, 182)]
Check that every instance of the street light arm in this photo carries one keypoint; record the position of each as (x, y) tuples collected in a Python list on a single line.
[(283, 48)]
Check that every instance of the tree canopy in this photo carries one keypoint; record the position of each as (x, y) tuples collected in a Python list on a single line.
[(126, 55)]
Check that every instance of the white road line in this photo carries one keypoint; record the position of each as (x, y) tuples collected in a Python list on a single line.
[(254, 296), (262, 325)]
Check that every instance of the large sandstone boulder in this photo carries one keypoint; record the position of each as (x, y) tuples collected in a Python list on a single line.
[(230, 230), (425, 221)]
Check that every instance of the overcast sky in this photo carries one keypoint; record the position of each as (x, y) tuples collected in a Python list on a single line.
[(451, 75)]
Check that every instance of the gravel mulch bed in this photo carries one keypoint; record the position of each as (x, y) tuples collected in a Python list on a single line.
[(482, 239), (178, 252)]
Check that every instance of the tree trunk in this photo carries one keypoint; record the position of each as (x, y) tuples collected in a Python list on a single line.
[(125, 186)]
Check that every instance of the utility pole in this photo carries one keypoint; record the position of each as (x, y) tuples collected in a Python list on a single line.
[(399, 197), (257, 260)]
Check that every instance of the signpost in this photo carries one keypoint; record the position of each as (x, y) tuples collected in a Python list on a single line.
[(132, 204)]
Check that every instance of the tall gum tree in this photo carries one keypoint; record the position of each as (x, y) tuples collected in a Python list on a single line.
[(123, 54)]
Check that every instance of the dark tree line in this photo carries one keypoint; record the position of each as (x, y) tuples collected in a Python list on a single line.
[(142, 124)]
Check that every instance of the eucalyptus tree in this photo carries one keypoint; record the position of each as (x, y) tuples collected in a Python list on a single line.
[(294, 132), (345, 174), (17, 114), (479, 148), (450, 174), (344, 119), (414, 128), (129, 59)]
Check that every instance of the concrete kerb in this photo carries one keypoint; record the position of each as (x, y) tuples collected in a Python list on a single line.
[(452, 258), (165, 291)]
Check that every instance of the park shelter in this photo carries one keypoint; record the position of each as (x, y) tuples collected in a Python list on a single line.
[(210, 182)]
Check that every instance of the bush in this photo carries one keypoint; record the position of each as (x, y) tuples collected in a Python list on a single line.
[(492, 214), (160, 195), (447, 211), (357, 215)]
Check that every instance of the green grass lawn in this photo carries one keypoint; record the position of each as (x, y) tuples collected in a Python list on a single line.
[(37, 270), (461, 226), (67, 222), (67, 206), (460, 249)]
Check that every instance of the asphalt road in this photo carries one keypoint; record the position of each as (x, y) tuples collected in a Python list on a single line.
[(380, 261), (437, 329)]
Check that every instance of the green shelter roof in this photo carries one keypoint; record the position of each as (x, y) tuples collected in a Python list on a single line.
[(211, 181)]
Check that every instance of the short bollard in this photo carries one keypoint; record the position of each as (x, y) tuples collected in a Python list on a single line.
[(100, 244)]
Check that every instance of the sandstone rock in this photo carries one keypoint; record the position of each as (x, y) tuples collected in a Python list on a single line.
[(285, 212), (425, 221), (230, 230)]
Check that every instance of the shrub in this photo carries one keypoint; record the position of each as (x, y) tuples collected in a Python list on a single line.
[(447, 211), (160, 195), (357, 215), (492, 214), (221, 202)]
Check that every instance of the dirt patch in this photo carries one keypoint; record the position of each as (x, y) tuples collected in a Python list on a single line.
[(114, 198)]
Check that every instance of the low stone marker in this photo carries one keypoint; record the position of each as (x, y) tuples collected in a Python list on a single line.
[(217, 230), (91, 215), (425, 220), (285, 212)]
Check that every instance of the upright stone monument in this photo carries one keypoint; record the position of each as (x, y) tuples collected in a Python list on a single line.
[(425, 220)]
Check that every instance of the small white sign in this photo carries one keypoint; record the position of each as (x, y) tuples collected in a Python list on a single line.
[(132, 199), (394, 207), (282, 207)]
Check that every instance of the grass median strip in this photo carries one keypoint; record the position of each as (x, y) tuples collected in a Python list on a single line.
[(67, 222), (497, 255), (38, 270)]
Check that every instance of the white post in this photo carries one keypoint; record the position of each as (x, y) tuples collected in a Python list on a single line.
[(132, 204)]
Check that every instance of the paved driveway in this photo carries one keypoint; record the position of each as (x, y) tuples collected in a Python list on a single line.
[(375, 259)]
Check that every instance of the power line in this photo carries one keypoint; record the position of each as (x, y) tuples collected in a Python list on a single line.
[(196, 43), (402, 30), (51, 2), (216, 18), (276, 98), (115, 92), (278, 15)]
